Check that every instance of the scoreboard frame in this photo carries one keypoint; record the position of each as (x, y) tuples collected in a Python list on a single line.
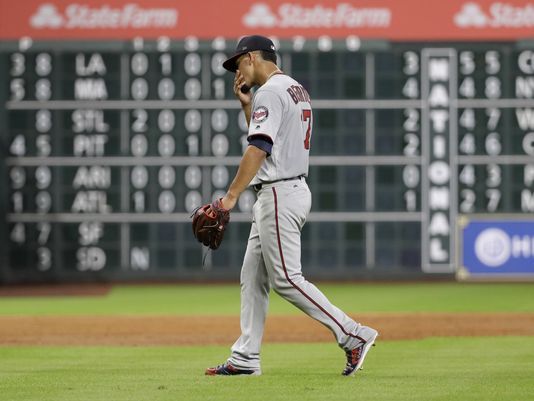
[(368, 217)]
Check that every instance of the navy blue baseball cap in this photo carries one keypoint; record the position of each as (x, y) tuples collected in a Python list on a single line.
[(249, 44)]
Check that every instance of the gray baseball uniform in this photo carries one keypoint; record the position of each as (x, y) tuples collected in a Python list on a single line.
[(282, 115)]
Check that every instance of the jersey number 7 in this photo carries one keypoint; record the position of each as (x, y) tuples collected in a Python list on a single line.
[(306, 116)]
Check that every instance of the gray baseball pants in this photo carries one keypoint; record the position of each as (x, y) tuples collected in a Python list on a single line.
[(272, 259)]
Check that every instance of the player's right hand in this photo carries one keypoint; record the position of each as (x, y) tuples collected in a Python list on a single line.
[(239, 81)]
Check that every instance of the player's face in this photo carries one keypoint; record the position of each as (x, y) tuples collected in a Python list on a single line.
[(245, 66)]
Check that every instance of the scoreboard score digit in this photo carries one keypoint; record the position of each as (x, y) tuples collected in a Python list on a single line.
[(110, 145)]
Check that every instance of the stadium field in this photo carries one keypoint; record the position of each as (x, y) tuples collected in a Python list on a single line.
[(439, 341)]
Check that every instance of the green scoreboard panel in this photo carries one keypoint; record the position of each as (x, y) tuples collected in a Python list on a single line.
[(107, 147)]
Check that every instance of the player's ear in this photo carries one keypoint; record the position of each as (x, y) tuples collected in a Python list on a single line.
[(252, 56)]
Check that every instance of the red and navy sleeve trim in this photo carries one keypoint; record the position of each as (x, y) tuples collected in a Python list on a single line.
[(261, 141)]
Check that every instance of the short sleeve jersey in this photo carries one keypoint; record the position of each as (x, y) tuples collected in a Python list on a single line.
[(282, 114)]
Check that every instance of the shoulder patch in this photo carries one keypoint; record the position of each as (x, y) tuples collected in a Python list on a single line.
[(260, 114)]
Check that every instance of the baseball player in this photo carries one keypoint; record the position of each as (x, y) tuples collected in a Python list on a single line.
[(275, 163)]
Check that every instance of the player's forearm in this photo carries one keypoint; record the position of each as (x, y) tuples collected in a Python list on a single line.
[(247, 109), (249, 166)]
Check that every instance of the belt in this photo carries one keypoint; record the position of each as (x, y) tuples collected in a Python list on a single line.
[(258, 187)]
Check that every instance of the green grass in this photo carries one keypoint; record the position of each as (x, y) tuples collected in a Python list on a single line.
[(224, 300), (470, 369), (441, 369)]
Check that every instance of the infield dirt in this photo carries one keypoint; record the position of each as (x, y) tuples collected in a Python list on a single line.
[(223, 330)]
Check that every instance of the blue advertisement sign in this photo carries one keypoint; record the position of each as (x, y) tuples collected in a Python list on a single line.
[(497, 248)]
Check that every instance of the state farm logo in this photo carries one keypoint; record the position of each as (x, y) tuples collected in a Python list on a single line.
[(46, 17), (290, 15), (498, 15), (260, 15), (82, 16), (471, 15)]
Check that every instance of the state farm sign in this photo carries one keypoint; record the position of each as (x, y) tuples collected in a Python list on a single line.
[(394, 20), (498, 15), (291, 15), (82, 16)]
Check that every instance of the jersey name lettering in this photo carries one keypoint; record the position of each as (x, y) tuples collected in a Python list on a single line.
[(298, 94)]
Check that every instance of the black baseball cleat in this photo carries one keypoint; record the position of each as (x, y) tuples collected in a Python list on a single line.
[(356, 356), (227, 369)]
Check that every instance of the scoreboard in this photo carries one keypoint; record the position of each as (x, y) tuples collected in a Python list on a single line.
[(107, 146)]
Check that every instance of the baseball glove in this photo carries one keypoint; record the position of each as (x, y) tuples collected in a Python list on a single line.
[(209, 223)]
